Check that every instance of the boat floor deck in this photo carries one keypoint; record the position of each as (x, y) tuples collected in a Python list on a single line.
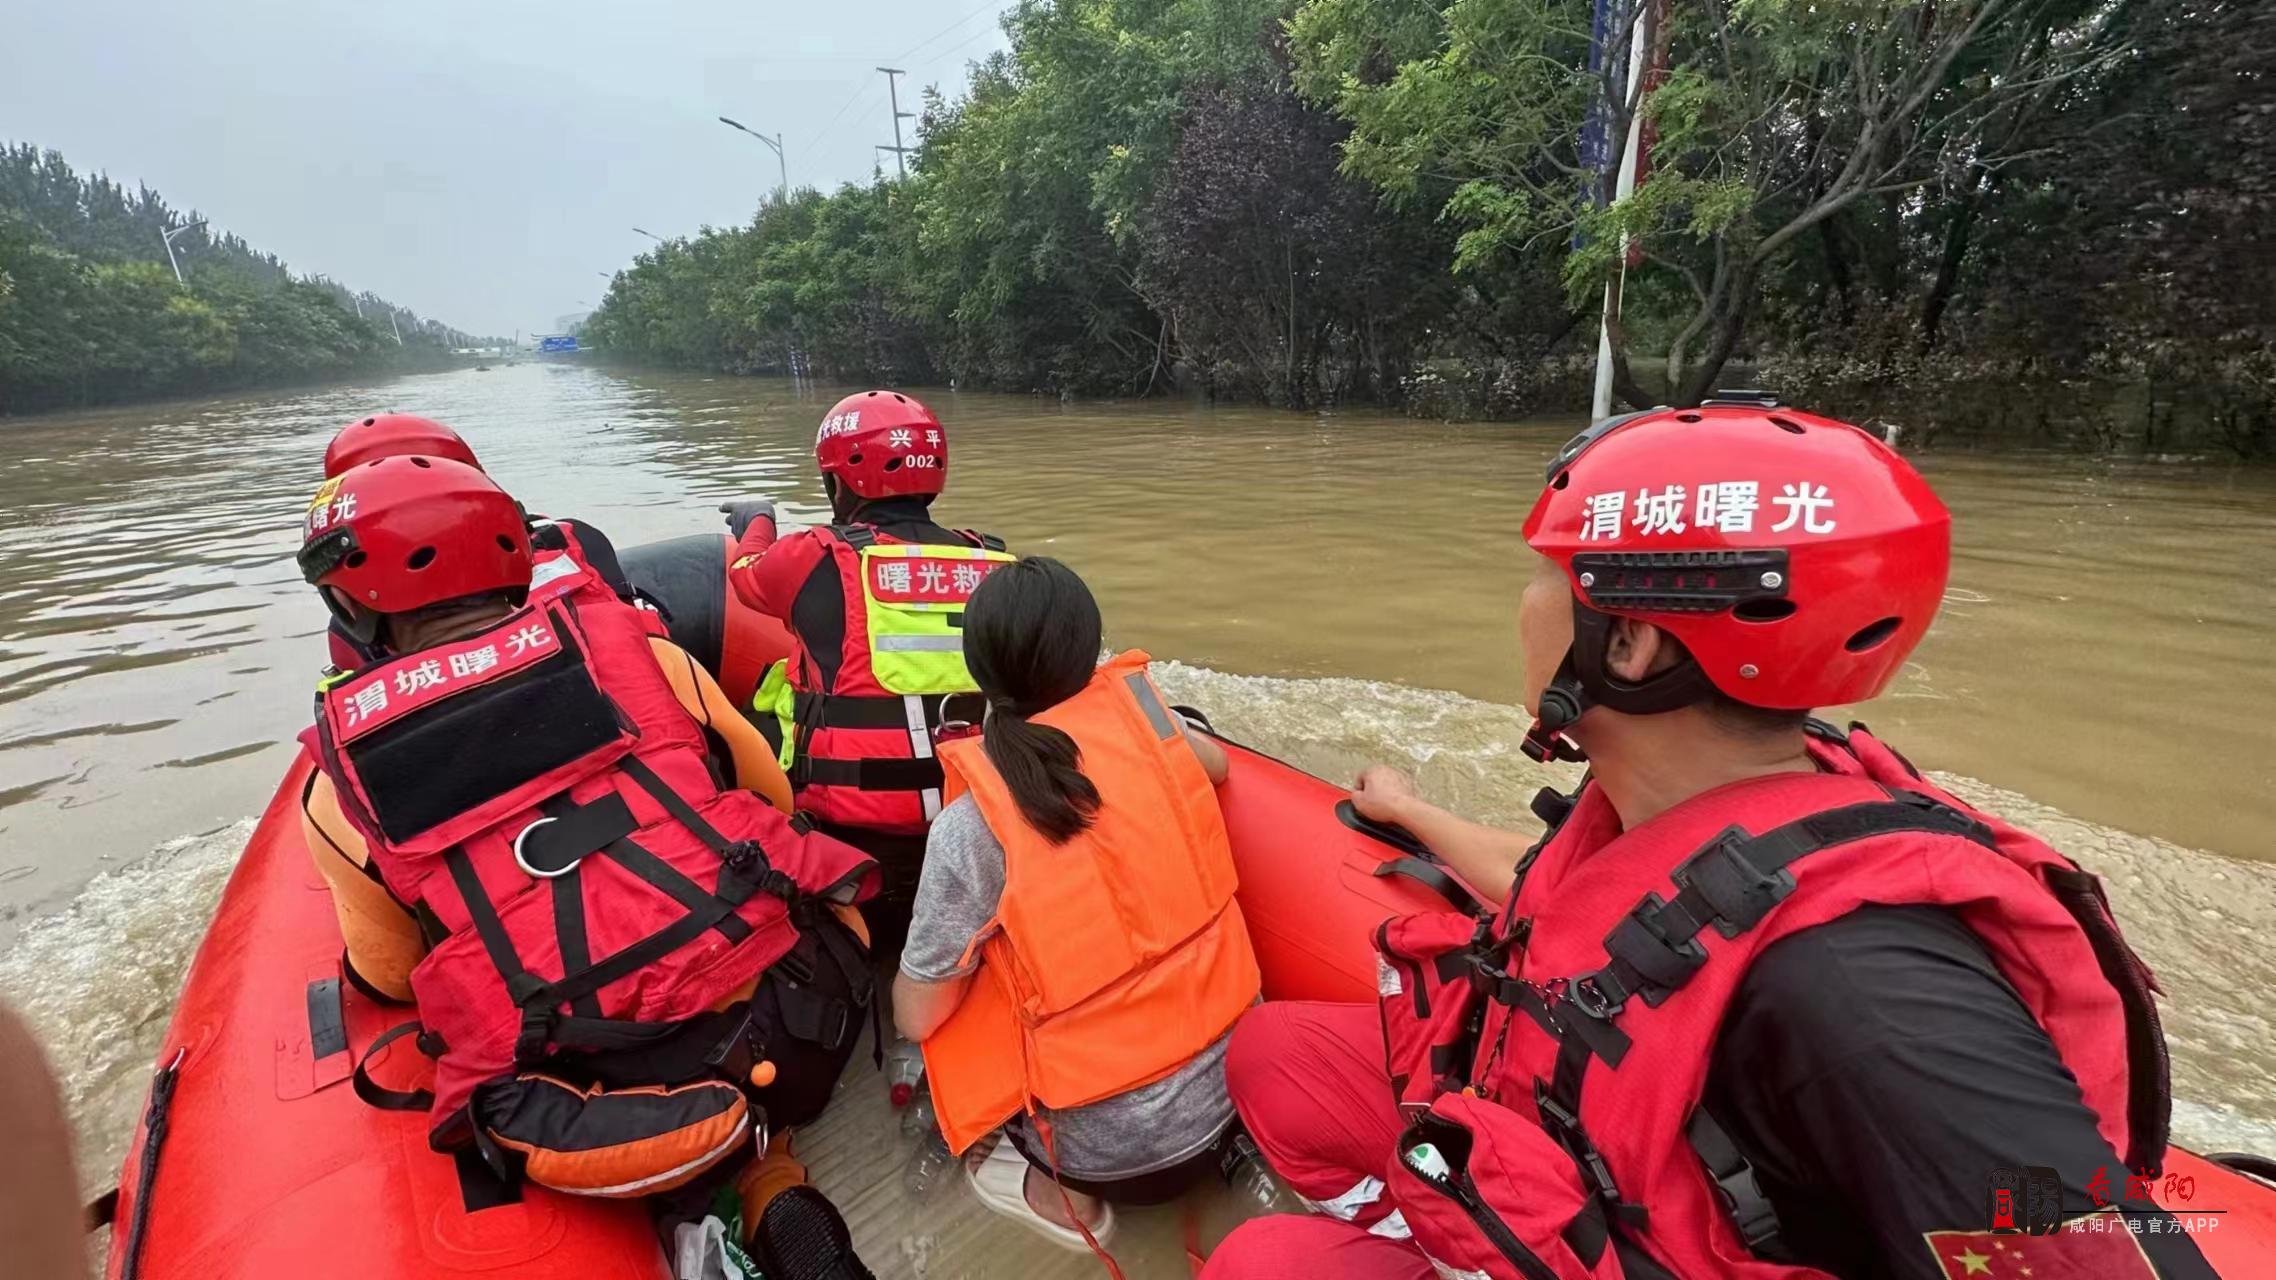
[(855, 1154)]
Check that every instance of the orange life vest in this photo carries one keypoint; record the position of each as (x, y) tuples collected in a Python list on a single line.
[(1114, 958)]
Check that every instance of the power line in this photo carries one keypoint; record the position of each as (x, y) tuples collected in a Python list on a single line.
[(964, 43), (991, 7), (866, 88)]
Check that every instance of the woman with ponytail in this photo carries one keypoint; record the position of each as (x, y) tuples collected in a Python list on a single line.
[(1076, 958)]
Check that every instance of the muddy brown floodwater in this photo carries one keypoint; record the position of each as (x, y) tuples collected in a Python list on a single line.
[(1335, 588)]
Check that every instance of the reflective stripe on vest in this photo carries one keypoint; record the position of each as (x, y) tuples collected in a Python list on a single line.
[(862, 753), (1117, 956), (914, 595)]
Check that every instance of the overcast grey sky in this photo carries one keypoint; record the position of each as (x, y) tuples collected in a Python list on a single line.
[(481, 161)]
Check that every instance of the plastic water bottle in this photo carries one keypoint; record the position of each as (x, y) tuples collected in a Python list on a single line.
[(904, 1068), (918, 1118), (923, 1174), (1245, 1169)]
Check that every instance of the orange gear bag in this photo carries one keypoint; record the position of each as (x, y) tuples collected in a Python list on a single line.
[(1117, 956)]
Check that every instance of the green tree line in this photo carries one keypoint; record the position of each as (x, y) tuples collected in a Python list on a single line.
[(2034, 220), (90, 310)]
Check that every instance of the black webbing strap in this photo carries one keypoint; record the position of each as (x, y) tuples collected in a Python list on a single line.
[(747, 865), (1730, 884), (638, 956), (1431, 876), (572, 831), (666, 879), (154, 1123), (868, 775), (376, 1095), (569, 931), (1735, 1184), (860, 711), (857, 536), (484, 915)]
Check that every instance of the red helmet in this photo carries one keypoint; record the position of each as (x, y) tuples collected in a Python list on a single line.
[(882, 444), (1798, 559), (390, 435), (402, 533)]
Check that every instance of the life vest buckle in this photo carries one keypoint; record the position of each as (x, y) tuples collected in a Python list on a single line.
[(521, 855), (1737, 892)]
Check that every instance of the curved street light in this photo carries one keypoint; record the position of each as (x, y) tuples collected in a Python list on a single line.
[(168, 237), (782, 162)]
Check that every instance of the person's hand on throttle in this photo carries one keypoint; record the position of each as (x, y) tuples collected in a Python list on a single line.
[(742, 512)]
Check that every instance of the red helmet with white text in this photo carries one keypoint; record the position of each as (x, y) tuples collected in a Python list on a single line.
[(393, 435), (882, 444), (406, 532), (1798, 559)]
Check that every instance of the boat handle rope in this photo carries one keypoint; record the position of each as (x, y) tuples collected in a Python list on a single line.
[(154, 1122)]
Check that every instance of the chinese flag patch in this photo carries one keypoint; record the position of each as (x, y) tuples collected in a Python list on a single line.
[(2099, 1246)]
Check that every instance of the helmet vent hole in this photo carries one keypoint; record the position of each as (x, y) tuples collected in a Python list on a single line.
[(421, 462), (1763, 610), (505, 543), (356, 559), (1786, 424), (421, 558), (902, 398), (853, 460), (892, 464), (370, 421), (1873, 636), (1687, 417), (1563, 478)]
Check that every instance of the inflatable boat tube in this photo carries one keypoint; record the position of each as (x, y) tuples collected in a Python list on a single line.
[(1316, 879), (270, 1165), (687, 578)]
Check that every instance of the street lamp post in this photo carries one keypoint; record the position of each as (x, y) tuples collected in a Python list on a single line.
[(782, 162), (168, 237), (650, 234)]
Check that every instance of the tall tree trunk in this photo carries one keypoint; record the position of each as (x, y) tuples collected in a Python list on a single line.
[(1956, 237), (1837, 270), (1729, 326)]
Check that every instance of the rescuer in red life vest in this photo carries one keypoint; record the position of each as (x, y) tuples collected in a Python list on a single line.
[(1766, 1003), (626, 967), (560, 546), (875, 602)]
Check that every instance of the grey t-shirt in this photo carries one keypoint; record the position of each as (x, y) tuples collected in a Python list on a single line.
[(1149, 1128)]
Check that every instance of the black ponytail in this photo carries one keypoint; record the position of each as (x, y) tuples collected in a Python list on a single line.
[(1031, 639)]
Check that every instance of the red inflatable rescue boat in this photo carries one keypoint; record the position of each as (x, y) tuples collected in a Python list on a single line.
[(269, 1165)]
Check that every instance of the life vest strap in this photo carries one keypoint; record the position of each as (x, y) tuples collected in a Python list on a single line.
[(876, 774), (1735, 1184), (1731, 884), (863, 711), (379, 1096)]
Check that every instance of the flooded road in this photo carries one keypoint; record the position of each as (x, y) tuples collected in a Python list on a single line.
[(1335, 589)]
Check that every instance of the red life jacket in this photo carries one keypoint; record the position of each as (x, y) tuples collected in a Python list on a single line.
[(539, 796), (1552, 1062), (864, 751)]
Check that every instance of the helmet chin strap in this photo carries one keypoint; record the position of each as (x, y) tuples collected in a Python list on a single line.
[(1582, 682)]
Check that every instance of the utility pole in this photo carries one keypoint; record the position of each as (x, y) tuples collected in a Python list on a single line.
[(168, 237), (893, 91), (394, 328)]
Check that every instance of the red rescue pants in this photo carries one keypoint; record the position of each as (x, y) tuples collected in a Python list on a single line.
[(1310, 1084)]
